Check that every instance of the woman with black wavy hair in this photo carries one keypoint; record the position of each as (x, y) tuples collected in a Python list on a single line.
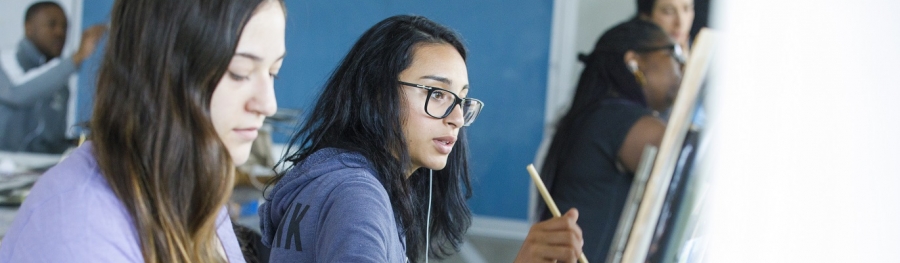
[(379, 170)]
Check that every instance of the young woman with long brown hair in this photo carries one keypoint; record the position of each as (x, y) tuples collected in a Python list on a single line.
[(183, 88)]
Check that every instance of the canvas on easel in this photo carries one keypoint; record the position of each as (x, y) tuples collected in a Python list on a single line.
[(685, 239), (666, 226), (673, 139)]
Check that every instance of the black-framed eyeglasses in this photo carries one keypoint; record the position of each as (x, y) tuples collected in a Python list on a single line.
[(440, 103), (674, 50)]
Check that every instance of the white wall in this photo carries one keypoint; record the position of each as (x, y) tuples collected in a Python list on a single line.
[(577, 26), (594, 18), (805, 128)]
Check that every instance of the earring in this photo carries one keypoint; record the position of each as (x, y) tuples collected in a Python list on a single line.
[(638, 75)]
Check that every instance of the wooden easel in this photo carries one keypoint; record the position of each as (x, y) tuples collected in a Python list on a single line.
[(664, 165)]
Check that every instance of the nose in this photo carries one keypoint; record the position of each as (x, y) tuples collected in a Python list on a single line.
[(679, 18), (263, 101), (455, 118), (684, 18)]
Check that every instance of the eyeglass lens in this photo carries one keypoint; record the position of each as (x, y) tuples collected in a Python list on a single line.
[(441, 103)]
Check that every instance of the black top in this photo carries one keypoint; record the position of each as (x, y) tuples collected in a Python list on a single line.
[(587, 176)]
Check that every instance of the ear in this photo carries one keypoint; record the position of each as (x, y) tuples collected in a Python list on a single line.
[(645, 17), (630, 60)]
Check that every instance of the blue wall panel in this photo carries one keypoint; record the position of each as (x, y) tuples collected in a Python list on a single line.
[(95, 12), (509, 46)]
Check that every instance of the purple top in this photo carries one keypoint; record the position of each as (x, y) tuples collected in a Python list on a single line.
[(72, 215)]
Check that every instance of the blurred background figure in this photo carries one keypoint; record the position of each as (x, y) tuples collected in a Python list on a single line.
[(633, 74), (34, 79), (673, 16)]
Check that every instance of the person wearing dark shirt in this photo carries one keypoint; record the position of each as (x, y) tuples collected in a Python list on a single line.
[(632, 74)]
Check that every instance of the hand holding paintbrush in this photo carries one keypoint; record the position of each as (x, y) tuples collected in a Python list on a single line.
[(558, 238)]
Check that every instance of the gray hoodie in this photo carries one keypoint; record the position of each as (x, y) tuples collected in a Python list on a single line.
[(331, 207), (34, 98)]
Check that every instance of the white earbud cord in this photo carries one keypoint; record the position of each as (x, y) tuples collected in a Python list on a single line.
[(428, 217)]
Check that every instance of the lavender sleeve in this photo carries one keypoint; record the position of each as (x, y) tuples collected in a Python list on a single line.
[(71, 215)]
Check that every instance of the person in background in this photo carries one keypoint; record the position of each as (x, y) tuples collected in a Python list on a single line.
[(183, 88), (34, 92), (632, 74), (673, 16), (386, 136)]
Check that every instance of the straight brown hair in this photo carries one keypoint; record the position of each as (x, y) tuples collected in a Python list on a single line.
[(151, 128)]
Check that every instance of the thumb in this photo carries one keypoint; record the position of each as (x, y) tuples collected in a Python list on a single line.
[(573, 213)]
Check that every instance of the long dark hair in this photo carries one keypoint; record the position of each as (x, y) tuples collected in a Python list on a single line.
[(151, 129), (361, 110), (605, 76)]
